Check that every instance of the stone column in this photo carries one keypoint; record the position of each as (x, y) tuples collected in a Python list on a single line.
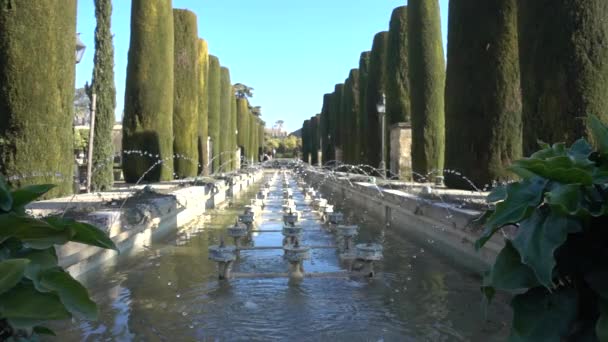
[(401, 150)]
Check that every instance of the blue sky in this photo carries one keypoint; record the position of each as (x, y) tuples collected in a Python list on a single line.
[(291, 52)]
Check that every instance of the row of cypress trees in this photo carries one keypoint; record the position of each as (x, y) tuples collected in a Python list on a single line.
[(514, 75), (178, 100)]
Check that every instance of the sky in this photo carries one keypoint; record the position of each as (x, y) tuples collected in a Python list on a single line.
[(290, 52)]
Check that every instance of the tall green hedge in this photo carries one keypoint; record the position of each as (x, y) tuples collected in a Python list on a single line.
[(148, 119), (37, 44), (327, 135), (564, 68), (483, 132), (261, 139), (243, 126), (363, 120), (225, 116), (233, 128), (103, 86), (213, 91), (376, 82), (335, 123), (252, 152), (315, 136), (203, 106), (397, 84), (256, 139), (350, 117), (185, 100), (427, 87), (305, 140)]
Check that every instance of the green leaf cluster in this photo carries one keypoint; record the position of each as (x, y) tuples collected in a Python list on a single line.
[(33, 288), (555, 263)]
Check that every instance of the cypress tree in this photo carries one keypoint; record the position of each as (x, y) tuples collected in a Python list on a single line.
[(37, 44), (256, 139), (185, 105), (203, 106), (251, 151), (397, 84), (242, 110), (225, 115), (336, 128), (233, 129), (305, 140), (327, 136), (375, 88), (213, 92), (261, 138), (350, 111), (103, 86), (481, 151), (427, 87), (363, 121), (314, 135), (564, 68), (148, 120)]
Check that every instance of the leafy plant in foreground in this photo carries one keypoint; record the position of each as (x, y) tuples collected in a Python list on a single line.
[(556, 263), (34, 289)]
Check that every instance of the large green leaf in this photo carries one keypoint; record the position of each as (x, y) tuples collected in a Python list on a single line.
[(508, 272), (11, 272), (540, 316), (73, 295), (83, 232), (597, 279), (498, 194), (563, 169), (40, 260), (568, 199), (6, 201), (24, 302), (522, 198), (29, 193), (537, 239), (40, 330), (32, 232), (599, 132)]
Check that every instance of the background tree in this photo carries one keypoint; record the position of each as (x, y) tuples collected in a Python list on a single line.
[(336, 126), (148, 120), (564, 68), (203, 106), (375, 89), (225, 124), (233, 130), (427, 86), (82, 107), (326, 130), (37, 44), (243, 137), (483, 132), (214, 83), (397, 85), (305, 140), (242, 91), (350, 115), (363, 119), (185, 104), (103, 86)]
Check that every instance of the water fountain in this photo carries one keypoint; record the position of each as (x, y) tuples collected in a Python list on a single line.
[(292, 217), (292, 234), (319, 203), (335, 218), (237, 232), (367, 255), (327, 210), (247, 218), (224, 256), (346, 235), (295, 255)]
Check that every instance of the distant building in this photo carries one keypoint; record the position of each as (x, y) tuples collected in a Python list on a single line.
[(276, 132)]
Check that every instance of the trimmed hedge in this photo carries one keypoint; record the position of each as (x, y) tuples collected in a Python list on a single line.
[(397, 84), (243, 126), (37, 47), (363, 120), (350, 117), (427, 87), (148, 119), (233, 128), (376, 82), (483, 132), (327, 135), (185, 105), (225, 118), (203, 106), (336, 128), (213, 91)]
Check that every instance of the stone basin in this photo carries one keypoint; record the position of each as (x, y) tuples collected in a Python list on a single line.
[(336, 218), (369, 251), (347, 231), (238, 230), (247, 218), (291, 218), (289, 230), (220, 253), (296, 254), (289, 208)]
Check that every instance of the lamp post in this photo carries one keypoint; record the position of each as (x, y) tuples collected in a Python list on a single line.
[(381, 107), (80, 47)]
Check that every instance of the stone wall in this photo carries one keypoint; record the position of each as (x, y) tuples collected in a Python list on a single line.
[(401, 150)]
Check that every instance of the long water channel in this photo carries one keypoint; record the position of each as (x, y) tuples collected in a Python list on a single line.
[(171, 291)]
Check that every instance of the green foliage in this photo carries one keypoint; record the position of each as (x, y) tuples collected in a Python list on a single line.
[(233, 128), (350, 117), (376, 81), (214, 82), (398, 84), (203, 107), (564, 68), (252, 153), (34, 289), (336, 126), (226, 135), (81, 139), (103, 86), (555, 263), (185, 99), (482, 151), (326, 129), (305, 140), (315, 136), (37, 47), (243, 137), (363, 120), (148, 120), (427, 86)]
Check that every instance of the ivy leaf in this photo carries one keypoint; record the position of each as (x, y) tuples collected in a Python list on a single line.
[(25, 195), (40, 260), (561, 169), (498, 194), (83, 232), (6, 201), (568, 200), (32, 232), (537, 239), (11, 272), (542, 316), (73, 295), (40, 330), (599, 132), (24, 302), (522, 198), (508, 272)]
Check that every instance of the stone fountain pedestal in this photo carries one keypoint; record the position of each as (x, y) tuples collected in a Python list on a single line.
[(224, 256), (367, 255), (296, 255)]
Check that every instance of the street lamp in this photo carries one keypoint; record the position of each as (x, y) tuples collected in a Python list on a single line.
[(80, 47), (381, 107)]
